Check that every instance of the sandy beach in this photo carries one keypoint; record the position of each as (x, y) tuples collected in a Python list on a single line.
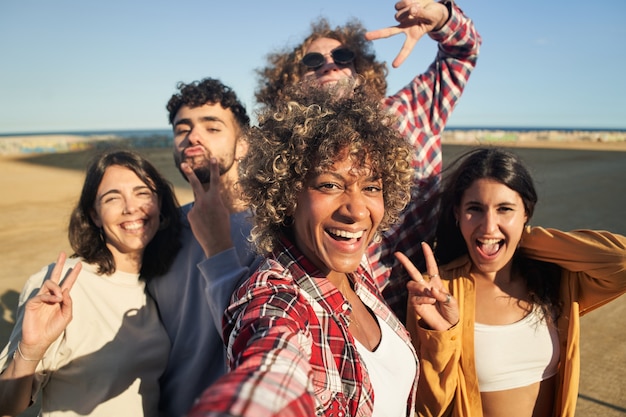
[(581, 185)]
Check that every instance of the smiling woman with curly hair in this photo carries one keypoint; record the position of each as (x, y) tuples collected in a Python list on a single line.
[(310, 331), (300, 139)]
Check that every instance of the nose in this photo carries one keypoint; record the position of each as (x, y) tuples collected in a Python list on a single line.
[(194, 135), (490, 222), (329, 64), (354, 207), (130, 205)]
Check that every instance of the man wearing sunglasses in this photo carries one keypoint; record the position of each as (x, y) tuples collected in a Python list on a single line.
[(342, 58)]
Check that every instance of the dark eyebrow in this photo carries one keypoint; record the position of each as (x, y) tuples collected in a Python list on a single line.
[(188, 122), (317, 173), (116, 191)]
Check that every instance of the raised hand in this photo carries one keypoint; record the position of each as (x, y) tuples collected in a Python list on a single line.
[(429, 299), (415, 19), (209, 217), (48, 313)]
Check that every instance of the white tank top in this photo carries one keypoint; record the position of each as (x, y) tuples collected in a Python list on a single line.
[(515, 355), (391, 368)]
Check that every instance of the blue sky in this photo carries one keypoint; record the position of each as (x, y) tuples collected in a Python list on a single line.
[(69, 65)]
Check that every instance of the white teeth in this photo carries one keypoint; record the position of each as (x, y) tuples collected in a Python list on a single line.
[(133, 225), (489, 241), (346, 234)]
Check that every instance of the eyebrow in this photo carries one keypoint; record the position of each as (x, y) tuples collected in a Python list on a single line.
[(189, 122), (371, 178), (116, 191), (480, 203)]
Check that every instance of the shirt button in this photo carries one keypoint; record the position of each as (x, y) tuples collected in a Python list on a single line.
[(345, 306)]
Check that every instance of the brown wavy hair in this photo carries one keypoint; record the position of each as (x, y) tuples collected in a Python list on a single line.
[(310, 132), (284, 69), (84, 235)]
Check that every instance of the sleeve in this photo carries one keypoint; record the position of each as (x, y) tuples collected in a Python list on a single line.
[(425, 104), (223, 273), (269, 355), (440, 354), (226, 271), (595, 261)]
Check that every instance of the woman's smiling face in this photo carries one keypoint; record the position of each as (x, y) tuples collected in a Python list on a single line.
[(491, 218), (337, 215), (127, 210)]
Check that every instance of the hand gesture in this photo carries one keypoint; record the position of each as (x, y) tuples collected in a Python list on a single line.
[(429, 299), (209, 218), (415, 18), (48, 313)]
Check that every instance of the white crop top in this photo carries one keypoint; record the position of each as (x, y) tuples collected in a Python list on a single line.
[(517, 354), (391, 368)]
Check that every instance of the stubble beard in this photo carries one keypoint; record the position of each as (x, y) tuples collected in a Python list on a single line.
[(200, 166)]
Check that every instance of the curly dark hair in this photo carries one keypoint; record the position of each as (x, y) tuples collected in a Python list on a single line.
[(284, 67), (311, 132), (542, 278), (84, 235), (208, 90)]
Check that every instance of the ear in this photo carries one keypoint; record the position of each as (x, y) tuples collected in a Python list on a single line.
[(455, 212), (95, 218), (242, 147)]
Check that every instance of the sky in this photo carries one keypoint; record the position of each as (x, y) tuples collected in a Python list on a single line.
[(84, 65)]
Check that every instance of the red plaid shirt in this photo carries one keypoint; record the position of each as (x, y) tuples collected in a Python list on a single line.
[(423, 108), (289, 348)]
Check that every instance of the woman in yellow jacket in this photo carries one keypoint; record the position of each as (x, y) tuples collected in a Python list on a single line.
[(497, 326)]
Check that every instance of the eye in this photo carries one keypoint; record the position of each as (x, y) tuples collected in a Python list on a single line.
[(474, 209), (327, 186), (110, 199), (374, 188)]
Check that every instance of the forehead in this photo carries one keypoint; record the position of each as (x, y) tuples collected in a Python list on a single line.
[(490, 190), (323, 45), (347, 167), (118, 175), (206, 112)]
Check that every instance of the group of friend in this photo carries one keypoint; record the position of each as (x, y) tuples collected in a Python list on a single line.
[(325, 266)]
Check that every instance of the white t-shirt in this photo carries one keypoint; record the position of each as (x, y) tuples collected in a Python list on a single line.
[(391, 368), (111, 355)]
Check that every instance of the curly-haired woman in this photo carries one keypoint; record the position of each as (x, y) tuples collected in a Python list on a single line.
[(310, 332)]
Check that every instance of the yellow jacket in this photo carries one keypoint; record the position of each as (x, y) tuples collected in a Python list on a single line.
[(593, 267)]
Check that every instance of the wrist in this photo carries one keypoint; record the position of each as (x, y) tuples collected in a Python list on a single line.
[(447, 14), (27, 355)]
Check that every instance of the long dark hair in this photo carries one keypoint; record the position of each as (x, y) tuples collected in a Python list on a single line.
[(85, 237), (542, 279)]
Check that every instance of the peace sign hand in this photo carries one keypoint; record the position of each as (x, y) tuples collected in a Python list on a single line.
[(437, 308), (416, 18), (48, 313)]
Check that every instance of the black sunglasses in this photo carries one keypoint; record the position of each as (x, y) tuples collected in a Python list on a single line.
[(341, 56)]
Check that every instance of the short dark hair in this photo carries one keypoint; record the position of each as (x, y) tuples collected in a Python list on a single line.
[(208, 90), (85, 237)]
